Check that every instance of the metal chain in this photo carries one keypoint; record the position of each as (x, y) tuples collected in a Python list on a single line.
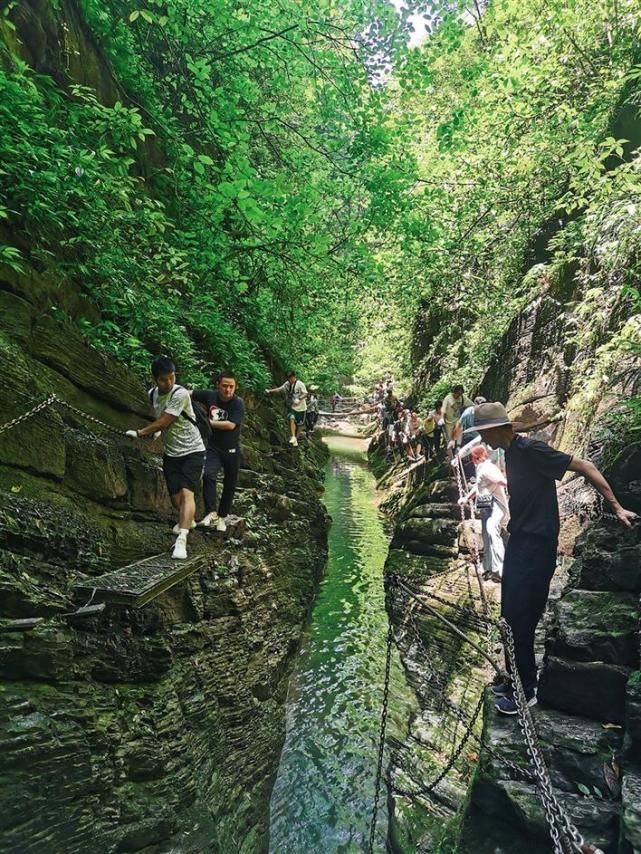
[(87, 417), (559, 823), (381, 737), (54, 400), (49, 401), (429, 788)]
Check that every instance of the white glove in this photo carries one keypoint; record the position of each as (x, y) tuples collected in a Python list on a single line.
[(133, 434), (295, 400), (157, 434), (454, 462), (462, 501), (450, 444)]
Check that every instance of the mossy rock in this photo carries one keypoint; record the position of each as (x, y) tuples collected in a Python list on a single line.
[(597, 626)]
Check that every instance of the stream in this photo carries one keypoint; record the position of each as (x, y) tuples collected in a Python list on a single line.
[(323, 795)]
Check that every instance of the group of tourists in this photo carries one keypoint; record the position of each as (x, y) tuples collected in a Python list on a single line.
[(505, 474), (201, 433), (516, 476), (408, 437)]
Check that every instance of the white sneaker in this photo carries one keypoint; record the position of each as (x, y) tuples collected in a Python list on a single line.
[(294, 441), (221, 525), (180, 549), (208, 520), (176, 528)]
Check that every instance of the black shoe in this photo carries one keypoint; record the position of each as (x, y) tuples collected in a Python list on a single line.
[(507, 705), (502, 689)]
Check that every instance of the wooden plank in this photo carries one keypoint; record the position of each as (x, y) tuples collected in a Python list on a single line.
[(85, 612), (20, 625), (140, 582)]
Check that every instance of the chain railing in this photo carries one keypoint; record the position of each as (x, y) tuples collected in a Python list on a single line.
[(52, 401), (45, 404)]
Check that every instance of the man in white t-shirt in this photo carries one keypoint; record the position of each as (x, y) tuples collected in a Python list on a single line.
[(184, 457), (296, 400)]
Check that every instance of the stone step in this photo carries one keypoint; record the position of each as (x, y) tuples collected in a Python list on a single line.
[(442, 532), (577, 750), (596, 626), (435, 511), (592, 689), (516, 809)]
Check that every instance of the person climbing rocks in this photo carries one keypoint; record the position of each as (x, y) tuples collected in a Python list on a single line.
[(453, 405), (414, 433), (296, 401), (391, 404), (184, 449), (463, 434), (311, 416), (532, 468), (433, 429), (226, 413), (491, 504)]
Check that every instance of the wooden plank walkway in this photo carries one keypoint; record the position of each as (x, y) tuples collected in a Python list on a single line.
[(140, 582)]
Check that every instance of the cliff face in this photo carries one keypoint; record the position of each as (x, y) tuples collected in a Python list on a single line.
[(149, 726)]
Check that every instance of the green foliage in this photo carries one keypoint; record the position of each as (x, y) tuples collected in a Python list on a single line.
[(214, 211), (504, 135)]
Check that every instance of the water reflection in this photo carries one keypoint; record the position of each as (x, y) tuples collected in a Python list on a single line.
[(323, 795)]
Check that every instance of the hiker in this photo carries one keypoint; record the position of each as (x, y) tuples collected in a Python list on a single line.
[(391, 404), (226, 412), (311, 417), (334, 400), (184, 456), (491, 504), (433, 429), (532, 468), (415, 435), (296, 400), (463, 434), (453, 405)]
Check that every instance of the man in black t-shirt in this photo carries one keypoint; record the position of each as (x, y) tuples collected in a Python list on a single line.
[(532, 468), (226, 412)]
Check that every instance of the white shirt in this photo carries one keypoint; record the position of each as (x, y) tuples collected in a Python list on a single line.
[(182, 437), (294, 401)]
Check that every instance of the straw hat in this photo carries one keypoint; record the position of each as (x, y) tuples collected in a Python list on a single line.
[(488, 415)]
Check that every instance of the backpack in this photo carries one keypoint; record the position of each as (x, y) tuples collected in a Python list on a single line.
[(201, 420)]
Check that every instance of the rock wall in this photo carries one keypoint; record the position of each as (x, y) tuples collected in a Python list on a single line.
[(156, 728)]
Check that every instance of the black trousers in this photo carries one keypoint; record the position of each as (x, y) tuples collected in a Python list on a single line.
[(528, 568), (229, 462), (310, 421)]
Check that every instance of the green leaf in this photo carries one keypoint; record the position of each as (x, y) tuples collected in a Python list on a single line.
[(583, 789), (134, 15)]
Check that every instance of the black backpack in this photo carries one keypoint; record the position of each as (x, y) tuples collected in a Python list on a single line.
[(201, 420)]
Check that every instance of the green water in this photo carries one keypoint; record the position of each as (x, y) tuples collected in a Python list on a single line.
[(323, 795)]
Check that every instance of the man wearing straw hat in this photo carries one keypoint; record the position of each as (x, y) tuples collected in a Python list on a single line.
[(532, 468)]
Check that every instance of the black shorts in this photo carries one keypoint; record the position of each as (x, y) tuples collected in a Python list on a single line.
[(183, 472)]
